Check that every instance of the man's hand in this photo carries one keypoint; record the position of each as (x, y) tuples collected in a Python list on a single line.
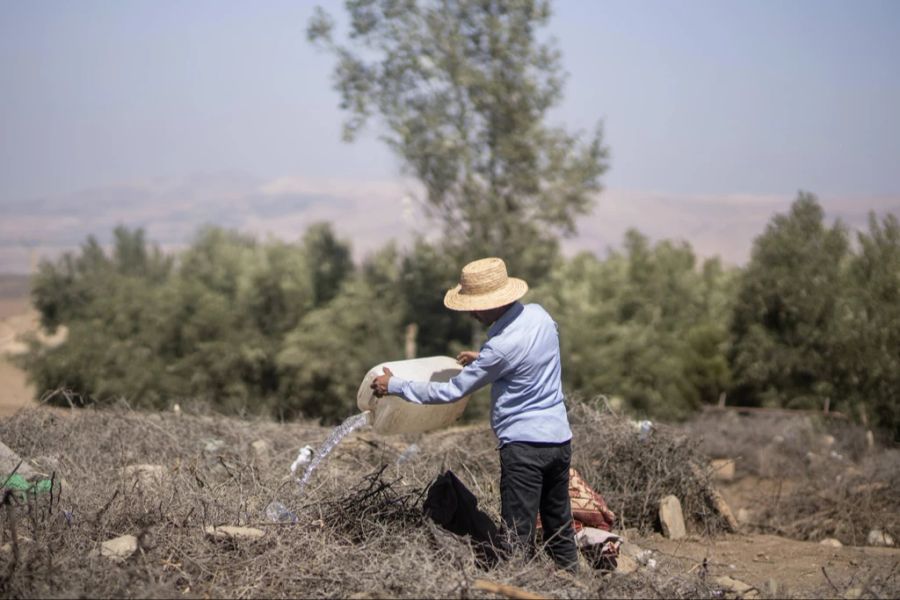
[(380, 383), (466, 357)]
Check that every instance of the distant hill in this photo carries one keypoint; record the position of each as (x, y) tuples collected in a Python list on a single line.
[(369, 213)]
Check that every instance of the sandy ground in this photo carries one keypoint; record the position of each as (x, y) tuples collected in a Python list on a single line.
[(16, 318), (778, 567)]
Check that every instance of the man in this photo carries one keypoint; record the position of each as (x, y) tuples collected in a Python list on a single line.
[(521, 360)]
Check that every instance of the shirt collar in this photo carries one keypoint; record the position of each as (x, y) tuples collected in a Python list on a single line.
[(508, 317)]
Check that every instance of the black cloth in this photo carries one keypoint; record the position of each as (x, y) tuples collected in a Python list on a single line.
[(450, 504), (535, 478)]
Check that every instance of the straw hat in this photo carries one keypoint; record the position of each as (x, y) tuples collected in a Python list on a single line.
[(484, 285)]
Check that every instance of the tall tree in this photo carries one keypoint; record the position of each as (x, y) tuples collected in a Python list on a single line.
[(462, 89), (785, 326), (329, 259), (872, 325)]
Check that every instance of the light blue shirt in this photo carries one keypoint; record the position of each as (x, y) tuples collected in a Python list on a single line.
[(521, 359)]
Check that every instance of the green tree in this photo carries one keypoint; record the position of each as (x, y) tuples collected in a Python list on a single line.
[(645, 325), (329, 260), (785, 327), (325, 357), (871, 333), (462, 89)]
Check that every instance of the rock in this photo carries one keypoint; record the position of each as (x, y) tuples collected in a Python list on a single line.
[(853, 593), (672, 518), (722, 469), (831, 542), (120, 548), (630, 549), (626, 565), (744, 516), (737, 587), (261, 449), (21, 541), (214, 446), (9, 460), (870, 441), (878, 537), (723, 509), (814, 461), (828, 440), (227, 532), (148, 477)]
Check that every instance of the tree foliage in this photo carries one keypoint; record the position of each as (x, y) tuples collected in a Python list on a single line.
[(870, 349), (462, 89), (645, 325), (786, 322)]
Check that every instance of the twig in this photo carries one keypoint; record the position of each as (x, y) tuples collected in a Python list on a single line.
[(12, 473), (105, 508), (510, 591)]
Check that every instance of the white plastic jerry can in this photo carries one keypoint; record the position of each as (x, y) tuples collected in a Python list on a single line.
[(393, 414)]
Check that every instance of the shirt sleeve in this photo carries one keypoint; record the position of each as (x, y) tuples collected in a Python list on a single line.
[(487, 368)]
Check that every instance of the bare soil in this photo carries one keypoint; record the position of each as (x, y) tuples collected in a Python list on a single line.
[(16, 319)]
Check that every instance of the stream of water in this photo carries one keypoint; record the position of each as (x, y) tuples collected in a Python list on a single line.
[(349, 425)]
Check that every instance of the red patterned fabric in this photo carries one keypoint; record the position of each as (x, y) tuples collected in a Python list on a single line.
[(589, 509)]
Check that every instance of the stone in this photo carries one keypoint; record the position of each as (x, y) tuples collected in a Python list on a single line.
[(831, 542), (737, 587), (828, 440), (148, 477), (626, 565), (722, 469), (261, 449), (230, 532), (671, 518), (744, 516), (9, 460), (214, 446), (120, 548), (853, 593), (878, 537), (630, 549)]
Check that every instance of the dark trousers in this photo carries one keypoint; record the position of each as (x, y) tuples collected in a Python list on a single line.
[(535, 478)]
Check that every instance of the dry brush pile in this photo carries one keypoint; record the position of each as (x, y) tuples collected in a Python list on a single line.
[(835, 485), (166, 478)]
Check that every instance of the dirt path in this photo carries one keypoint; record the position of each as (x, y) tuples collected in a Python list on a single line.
[(777, 566)]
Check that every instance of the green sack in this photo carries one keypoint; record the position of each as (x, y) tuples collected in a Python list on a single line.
[(21, 485)]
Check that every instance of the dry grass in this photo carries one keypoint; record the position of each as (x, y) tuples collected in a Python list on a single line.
[(842, 502), (359, 528), (837, 487)]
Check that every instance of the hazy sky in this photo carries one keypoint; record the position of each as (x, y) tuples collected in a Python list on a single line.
[(753, 98)]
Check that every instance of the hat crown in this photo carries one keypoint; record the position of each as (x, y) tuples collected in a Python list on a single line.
[(483, 277)]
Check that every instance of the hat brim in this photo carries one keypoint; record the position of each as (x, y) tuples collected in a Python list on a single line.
[(513, 290)]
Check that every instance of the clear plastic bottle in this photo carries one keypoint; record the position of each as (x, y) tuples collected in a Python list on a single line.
[(279, 513)]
